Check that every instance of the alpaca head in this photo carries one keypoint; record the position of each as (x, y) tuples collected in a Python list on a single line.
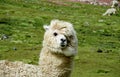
[(60, 37)]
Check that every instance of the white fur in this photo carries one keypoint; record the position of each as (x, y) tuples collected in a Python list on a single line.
[(115, 3), (62, 29), (110, 12), (46, 27), (56, 57)]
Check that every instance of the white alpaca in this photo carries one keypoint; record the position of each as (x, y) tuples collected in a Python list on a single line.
[(56, 57), (115, 3), (110, 12)]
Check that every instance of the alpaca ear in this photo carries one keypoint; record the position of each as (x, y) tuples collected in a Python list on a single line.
[(46, 27)]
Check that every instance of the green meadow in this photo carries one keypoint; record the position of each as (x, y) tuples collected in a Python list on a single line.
[(21, 34)]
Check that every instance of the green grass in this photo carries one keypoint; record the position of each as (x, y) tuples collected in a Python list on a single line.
[(22, 21)]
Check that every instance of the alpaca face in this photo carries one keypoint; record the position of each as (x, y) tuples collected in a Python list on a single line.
[(55, 39), (60, 37)]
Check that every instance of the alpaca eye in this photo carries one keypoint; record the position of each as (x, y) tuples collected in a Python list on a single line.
[(55, 34)]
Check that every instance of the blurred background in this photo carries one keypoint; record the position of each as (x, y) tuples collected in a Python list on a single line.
[(21, 33)]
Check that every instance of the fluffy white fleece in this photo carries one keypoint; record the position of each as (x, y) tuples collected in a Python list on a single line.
[(115, 3), (110, 12), (56, 57)]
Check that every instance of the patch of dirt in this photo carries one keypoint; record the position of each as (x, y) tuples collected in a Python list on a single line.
[(94, 2)]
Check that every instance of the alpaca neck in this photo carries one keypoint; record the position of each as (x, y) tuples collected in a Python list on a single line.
[(54, 64)]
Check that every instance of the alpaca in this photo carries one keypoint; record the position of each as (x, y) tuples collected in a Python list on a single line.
[(114, 3), (56, 57), (110, 12)]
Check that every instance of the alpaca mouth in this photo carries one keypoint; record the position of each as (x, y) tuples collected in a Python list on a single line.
[(63, 45)]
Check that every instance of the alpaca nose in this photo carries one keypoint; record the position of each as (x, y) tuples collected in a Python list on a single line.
[(63, 40)]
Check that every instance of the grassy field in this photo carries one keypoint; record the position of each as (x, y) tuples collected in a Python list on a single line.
[(21, 34)]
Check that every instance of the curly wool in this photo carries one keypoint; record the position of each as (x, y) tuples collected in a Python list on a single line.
[(53, 61), (18, 69)]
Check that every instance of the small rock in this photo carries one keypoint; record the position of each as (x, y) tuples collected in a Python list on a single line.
[(101, 20), (14, 48), (4, 36), (99, 50), (86, 23)]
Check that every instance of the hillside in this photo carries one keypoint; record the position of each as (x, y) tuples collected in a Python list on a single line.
[(21, 34)]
